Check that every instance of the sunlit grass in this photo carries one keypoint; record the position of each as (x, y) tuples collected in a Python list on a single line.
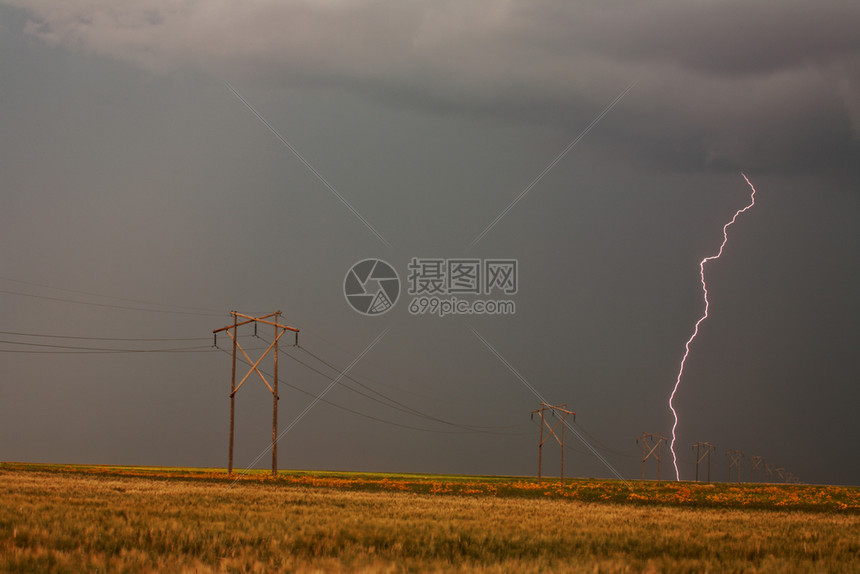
[(134, 519), (821, 498)]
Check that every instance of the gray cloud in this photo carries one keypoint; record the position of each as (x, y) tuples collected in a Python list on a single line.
[(765, 86), (769, 86)]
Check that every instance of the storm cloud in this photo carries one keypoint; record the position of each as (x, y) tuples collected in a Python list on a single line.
[(767, 86)]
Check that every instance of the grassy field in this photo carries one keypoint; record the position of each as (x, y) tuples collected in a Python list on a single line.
[(136, 519)]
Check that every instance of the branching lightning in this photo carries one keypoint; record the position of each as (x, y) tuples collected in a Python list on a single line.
[(701, 319)]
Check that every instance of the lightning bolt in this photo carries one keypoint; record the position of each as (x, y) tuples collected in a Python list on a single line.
[(701, 319)]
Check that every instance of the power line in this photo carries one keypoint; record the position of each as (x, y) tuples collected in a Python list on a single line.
[(393, 404), (50, 348), (114, 297), (132, 339), (402, 406), (120, 352), (101, 349), (396, 405), (353, 411), (371, 363), (540, 397), (600, 444), (105, 305)]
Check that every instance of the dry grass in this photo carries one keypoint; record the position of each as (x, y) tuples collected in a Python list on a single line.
[(107, 521)]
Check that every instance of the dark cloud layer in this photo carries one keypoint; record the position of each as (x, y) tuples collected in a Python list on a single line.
[(767, 86)]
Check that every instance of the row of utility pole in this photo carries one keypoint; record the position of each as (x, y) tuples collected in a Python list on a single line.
[(764, 472), (651, 442), (760, 471), (652, 448)]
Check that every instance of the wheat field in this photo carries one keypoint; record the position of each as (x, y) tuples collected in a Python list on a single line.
[(67, 519)]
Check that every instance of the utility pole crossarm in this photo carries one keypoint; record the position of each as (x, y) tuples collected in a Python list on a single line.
[(560, 408), (703, 451), (251, 319), (647, 439), (734, 457)]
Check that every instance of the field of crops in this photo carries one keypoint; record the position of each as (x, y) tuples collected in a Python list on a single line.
[(129, 519)]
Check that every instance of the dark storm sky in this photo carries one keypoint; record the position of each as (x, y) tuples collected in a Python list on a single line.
[(132, 178)]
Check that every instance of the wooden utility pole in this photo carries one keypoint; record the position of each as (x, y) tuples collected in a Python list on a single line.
[(768, 467), (734, 457), (703, 450), (755, 464), (232, 331), (651, 446), (278, 334), (232, 395), (561, 409)]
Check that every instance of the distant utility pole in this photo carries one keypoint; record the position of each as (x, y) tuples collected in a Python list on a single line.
[(562, 410), (651, 446), (734, 457), (768, 467), (755, 464), (703, 450), (232, 331)]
